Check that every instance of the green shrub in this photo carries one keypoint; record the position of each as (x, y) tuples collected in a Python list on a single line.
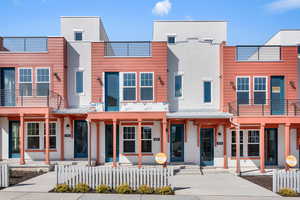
[(287, 192), (81, 188), (103, 189), (145, 189), (62, 188), (166, 190), (124, 189)]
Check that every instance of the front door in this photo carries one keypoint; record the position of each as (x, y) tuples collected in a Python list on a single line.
[(206, 146), (109, 143), (177, 143), (112, 91), (271, 146), (80, 139), (277, 95), (14, 140), (7, 87)]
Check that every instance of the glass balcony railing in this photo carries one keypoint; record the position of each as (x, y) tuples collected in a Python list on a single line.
[(23, 44), (128, 49), (258, 53)]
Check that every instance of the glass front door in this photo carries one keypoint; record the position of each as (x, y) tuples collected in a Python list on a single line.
[(177, 143), (277, 95), (206, 146), (271, 146), (7, 87), (80, 139), (109, 143), (14, 140), (112, 91)]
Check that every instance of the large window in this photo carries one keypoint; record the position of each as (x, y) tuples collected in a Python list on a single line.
[(207, 91), (52, 136), (146, 139), (178, 86), (25, 81), (242, 90), (253, 143), (42, 82), (79, 82), (260, 90), (33, 136), (146, 86), (129, 139), (129, 86), (233, 144)]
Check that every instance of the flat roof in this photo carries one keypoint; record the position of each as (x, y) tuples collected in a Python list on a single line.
[(190, 21), (80, 17)]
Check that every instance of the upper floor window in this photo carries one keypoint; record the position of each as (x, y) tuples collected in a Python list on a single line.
[(207, 91), (78, 35), (25, 81), (242, 90), (42, 82), (129, 139), (146, 139), (129, 86), (79, 82), (298, 49), (178, 85), (146, 85), (260, 90), (171, 39)]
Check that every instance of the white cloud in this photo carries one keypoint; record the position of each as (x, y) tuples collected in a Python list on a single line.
[(284, 5), (162, 8)]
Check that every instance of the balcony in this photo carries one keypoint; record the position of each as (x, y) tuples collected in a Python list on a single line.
[(23, 44), (128, 49), (14, 98), (287, 107), (258, 53)]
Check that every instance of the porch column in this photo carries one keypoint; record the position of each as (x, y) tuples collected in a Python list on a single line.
[(98, 142), (89, 143), (287, 140), (164, 135), (198, 134), (262, 148), (47, 150), (21, 140), (62, 138), (225, 146), (139, 143), (237, 148), (114, 142)]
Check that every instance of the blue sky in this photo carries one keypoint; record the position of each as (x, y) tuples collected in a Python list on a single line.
[(249, 21)]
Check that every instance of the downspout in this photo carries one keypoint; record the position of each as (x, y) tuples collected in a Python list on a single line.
[(237, 156)]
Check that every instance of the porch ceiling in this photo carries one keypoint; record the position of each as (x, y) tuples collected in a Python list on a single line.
[(268, 120), (16, 111), (126, 116)]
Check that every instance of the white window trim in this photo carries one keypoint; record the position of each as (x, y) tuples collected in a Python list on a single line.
[(41, 135), (251, 142), (19, 80), (260, 90), (122, 85), (36, 79), (182, 85), (243, 132), (75, 88), (148, 139), (153, 86), (135, 139), (249, 90), (211, 91), (56, 128)]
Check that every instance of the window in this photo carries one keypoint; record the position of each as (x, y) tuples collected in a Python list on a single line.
[(233, 144), (78, 35), (253, 143), (171, 40), (33, 136), (129, 139), (146, 86), (52, 136), (298, 49), (242, 90), (207, 91), (178, 85), (79, 82), (260, 90), (25, 82), (42, 82), (129, 86), (146, 139)]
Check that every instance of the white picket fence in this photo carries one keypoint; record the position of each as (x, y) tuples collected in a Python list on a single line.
[(4, 176), (286, 179), (93, 176)]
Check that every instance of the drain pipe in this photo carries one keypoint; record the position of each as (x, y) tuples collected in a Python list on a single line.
[(237, 142)]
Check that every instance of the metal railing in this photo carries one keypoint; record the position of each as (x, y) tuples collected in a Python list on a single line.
[(30, 98), (268, 107), (128, 49), (23, 44), (258, 53)]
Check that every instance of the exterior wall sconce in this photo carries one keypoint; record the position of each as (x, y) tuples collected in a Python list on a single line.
[(56, 76), (100, 80), (292, 84), (160, 80), (232, 85)]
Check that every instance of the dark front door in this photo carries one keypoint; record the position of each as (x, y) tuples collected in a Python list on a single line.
[(14, 140), (271, 146), (177, 143), (7, 87), (277, 95), (80, 139), (111, 91), (206, 146), (109, 143)]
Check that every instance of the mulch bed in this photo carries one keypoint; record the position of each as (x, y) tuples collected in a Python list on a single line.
[(263, 181), (18, 176)]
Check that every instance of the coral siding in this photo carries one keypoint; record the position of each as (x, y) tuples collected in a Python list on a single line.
[(157, 64), (55, 59), (232, 68)]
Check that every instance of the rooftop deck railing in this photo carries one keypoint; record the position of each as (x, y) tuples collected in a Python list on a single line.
[(23, 44), (258, 53), (128, 49)]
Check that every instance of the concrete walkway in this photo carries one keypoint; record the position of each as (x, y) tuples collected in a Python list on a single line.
[(42, 183)]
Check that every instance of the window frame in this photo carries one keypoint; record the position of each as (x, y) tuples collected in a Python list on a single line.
[(211, 91), (241, 143), (20, 82), (50, 135), (36, 79), (174, 91), (253, 143), (147, 139), (153, 87), (75, 88), (169, 36), (40, 136), (266, 98), (78, 31), (249, 89), (129, 140), (123, 86)]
